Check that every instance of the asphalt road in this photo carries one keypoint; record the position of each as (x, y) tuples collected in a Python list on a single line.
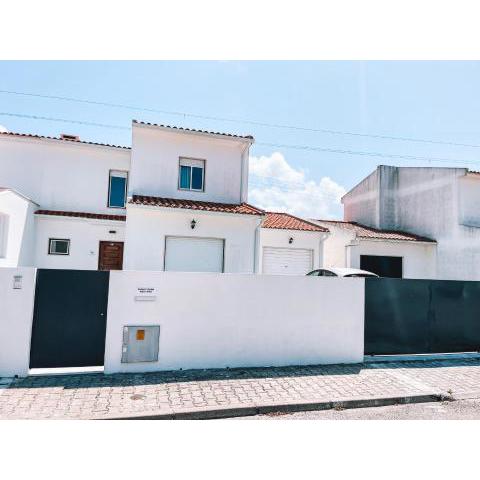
[(456, 410)]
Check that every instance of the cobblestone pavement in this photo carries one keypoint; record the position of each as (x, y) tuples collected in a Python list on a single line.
[(123, 395)]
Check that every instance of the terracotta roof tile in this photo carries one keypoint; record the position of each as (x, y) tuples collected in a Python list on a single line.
[(94, 216), (285, 221), (242, 208), (363, 231), (138, 122), (28, 135)]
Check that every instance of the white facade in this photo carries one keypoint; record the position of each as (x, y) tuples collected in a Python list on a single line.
[(156, 152), (438, 203), (84, 234), (69, 184), (17, 229), (344, 248), (148, 228), (59, 174)]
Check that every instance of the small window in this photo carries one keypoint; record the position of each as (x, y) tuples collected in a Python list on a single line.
[(191, 174), (117, 189), (58, 246)]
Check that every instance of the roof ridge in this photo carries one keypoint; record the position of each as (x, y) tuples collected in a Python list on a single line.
[(412, 236), (194, 130), (47, 137), (294, 216)]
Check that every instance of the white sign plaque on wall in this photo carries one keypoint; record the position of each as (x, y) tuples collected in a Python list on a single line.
[(146, 294), (17, 282)]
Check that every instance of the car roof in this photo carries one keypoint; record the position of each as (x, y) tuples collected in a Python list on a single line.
[(342, 272)]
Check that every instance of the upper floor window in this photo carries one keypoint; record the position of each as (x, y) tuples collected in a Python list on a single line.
[(117, 189), (191, 174)]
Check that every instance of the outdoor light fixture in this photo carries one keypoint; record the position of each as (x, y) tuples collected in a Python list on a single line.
[(290, 240), (193, 223)]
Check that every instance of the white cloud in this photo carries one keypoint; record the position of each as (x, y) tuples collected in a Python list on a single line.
[(275, 185), (3, 129)]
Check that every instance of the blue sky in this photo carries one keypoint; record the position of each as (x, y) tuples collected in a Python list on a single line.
[(426, 100)]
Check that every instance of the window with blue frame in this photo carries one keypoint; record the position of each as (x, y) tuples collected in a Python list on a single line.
[(191, 174), (117, 190)]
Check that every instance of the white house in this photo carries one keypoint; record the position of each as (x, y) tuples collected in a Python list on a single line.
[(388, 253), (291, 245), (176, 200), (437, 203)]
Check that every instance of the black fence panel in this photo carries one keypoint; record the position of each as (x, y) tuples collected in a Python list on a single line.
[(421, 316), (69, 321)]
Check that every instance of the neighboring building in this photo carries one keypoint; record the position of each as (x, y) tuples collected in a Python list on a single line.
[(384, 252), (290, 245), (433, 202), (176, 200)]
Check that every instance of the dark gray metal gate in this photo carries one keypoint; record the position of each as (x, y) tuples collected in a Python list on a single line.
[(69, 320), (421, 316)]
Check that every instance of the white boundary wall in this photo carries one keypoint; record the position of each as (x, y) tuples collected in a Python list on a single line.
[(232, 320), (16, 313)]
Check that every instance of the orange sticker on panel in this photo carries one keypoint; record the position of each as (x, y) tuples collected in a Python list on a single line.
[(140, 334)]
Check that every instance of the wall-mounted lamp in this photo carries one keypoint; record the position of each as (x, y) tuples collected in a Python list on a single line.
[(290, 240), (193, 223)]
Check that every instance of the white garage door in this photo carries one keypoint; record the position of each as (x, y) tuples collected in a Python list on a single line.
[(188, 254), (287, 261)]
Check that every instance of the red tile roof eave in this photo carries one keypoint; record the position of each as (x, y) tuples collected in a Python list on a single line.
[(415, 240), (195, 205), (286, 221), (88, 215), (385, 235)]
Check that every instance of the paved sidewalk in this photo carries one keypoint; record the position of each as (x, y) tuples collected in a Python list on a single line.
[(216, 393)]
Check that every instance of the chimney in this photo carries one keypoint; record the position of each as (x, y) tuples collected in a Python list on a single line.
[(66, 136)]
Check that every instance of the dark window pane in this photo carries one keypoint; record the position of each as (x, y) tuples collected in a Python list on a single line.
[(197, 178), (117, 191), (383, 266), (328, 273), (59, 247), (185, 176)]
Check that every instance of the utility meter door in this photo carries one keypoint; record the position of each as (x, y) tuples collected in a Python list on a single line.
[(140, 343)]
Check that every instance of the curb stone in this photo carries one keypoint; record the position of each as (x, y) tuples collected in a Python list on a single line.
[(243, 410)]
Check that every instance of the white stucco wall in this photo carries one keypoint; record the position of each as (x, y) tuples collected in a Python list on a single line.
[(418, 259), (147, 228), (18, 230), (469, 200), (84, 234), (155, 164), (361, 203), (275, 237), (60, 175), (215, 321), (335, 245), (438, 203), (16, 313)]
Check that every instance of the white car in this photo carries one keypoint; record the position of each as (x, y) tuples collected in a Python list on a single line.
[(341, 272)]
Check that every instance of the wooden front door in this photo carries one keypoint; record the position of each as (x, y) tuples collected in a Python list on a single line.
[(110, 256)]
